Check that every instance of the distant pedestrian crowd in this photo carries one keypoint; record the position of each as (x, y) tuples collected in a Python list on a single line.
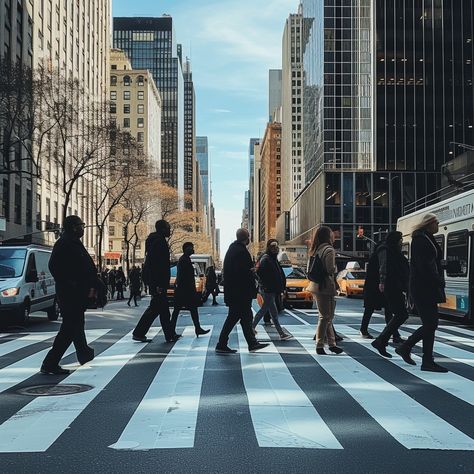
[(390, 280)]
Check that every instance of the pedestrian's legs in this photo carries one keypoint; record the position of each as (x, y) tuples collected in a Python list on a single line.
[(232, 319), (388, 318), (214, 296), (396, 303), (271, 304), (264, 310), (246, 324), (195, 317), (63, 339), (165, 316), (364, 325), (326, 306), (135, 296), (130, 299), (174, 319), (148, 317)]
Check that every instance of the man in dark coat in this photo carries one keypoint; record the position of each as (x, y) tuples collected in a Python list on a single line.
[(135, 285), (239, 291), (76, 284), (185, 294), (212, 287), (156, 274), (112, 282), (394, 274)]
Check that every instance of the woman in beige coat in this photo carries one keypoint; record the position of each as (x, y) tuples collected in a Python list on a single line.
[(325, 294)]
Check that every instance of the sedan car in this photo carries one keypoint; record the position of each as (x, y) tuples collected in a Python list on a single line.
[(296, 283), (351, 282)]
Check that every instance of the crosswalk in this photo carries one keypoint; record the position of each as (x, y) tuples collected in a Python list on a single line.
[(283, 411)]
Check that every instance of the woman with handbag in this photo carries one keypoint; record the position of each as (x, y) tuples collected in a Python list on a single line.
[(321, 270)]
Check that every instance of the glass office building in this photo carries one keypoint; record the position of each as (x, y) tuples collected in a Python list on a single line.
[(388, 88), (202, 156), (189, 128), (150, 43)]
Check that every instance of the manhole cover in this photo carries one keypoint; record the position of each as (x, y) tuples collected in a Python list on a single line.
[(54, 390)]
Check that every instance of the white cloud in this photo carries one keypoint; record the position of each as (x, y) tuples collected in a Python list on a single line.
[(221, 111)]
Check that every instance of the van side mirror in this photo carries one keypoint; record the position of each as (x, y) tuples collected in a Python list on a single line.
[(31, 276)]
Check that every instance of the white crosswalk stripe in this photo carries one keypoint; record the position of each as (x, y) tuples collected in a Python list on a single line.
[(167, 415), (282, 414), (410, 423), (24, 341)]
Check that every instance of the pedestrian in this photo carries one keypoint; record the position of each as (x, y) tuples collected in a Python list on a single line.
[(267, 320), (322, 253), (76, 284), (156, 274), (394, 274), (272, 283), (135, 285), (185, 294), (239, 291), (112, 282), (120, 284), (426, 290), (374, 299), (212, 287)]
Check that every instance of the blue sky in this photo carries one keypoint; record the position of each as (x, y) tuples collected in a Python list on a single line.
[(232, 44)]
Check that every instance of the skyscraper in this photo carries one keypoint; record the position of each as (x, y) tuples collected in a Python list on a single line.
[(150, 43), (189, 128), (253, 142), (274, 92), (202, 156), (292, 171)]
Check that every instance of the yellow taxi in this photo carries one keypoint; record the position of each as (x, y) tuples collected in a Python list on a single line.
[(199, 278), (295, 294), (351, 282)]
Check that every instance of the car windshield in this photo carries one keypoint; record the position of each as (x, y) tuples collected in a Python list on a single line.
[(355, 275), (12, 262), (294, 273)]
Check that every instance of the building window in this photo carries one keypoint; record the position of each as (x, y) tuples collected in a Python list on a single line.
[(111, 230), (113, 95), (140, 81), (6, 199), (141, 95), (17, 204), (126, 80), (126, 108), (126, 123), (140, 137), (140, 108), (126, 95), (458, 252), (140, 122), (113, 80), (113, 108)]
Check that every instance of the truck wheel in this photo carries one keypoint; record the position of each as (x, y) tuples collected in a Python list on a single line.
[(53, 312), (23, 314)]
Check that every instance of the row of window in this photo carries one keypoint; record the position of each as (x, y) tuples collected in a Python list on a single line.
[(140, 122), (127, 95), (127, 80), (126, 108)]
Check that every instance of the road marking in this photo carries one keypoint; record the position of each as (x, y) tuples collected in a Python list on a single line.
[(25, 368), (451, 383), (167, 415), (297, 317), (40, 423), (24, 341), (282, 414), (464, 331), (410, 423)]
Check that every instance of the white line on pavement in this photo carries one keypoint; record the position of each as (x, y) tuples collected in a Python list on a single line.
[(282, 414), (297, 317), (25, 368), (167, 415), (40, 423), (409, 422), (24, 341), (451, 383)]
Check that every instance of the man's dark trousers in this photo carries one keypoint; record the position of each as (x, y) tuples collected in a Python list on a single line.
[(242, 312), (71, 331), (396, 305), (158, 306)]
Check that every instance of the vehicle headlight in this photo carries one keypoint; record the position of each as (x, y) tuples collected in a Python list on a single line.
[(353, 285), (10, 292)]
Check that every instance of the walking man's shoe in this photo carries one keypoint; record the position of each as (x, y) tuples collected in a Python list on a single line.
[(404, 353), (366, 335), (381, 348), (398, 340), (257, 347), (286, 337), (141, 339), (87, 358), (433, 367), (225, 350), (58, 370)]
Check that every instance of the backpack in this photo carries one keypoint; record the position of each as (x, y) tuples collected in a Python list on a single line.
[(316, 271)]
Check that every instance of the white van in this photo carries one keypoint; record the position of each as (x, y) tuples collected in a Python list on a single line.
[(26, 284)]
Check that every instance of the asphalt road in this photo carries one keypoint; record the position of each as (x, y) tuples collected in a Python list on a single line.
[(174, 408)]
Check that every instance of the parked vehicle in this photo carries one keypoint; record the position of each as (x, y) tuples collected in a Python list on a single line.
[(26, 284), (456, 239), (351, 282)]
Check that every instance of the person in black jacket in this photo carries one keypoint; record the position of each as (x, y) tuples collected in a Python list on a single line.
[(393, 274), (76, 284), (374, 299), (135, 284), (185, 294), (427, 290), (239, 291), (156, 274), (212, 287), (272, 283), (120, 283)]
